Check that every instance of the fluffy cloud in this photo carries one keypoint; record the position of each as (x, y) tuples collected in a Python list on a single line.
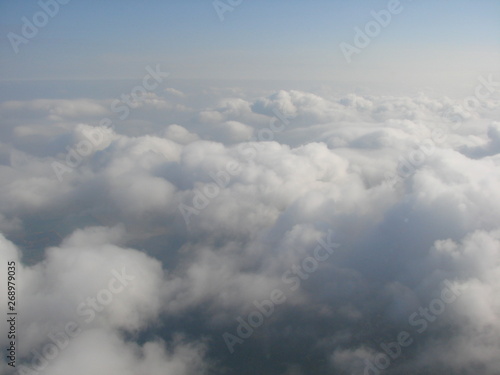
[(213, 205)]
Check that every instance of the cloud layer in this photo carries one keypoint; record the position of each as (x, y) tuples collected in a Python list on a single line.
[(181, 220)]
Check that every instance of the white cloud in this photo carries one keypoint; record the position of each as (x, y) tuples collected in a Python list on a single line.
[(257, 209)]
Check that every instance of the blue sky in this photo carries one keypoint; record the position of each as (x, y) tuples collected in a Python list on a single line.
[(428, 40)]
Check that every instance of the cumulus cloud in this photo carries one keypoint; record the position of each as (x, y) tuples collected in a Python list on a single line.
[(349, 213)]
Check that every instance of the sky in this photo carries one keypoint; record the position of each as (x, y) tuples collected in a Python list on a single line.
[(254, 40), (256, 187)]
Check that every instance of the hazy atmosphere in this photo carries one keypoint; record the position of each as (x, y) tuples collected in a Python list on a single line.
[(250, 187)]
